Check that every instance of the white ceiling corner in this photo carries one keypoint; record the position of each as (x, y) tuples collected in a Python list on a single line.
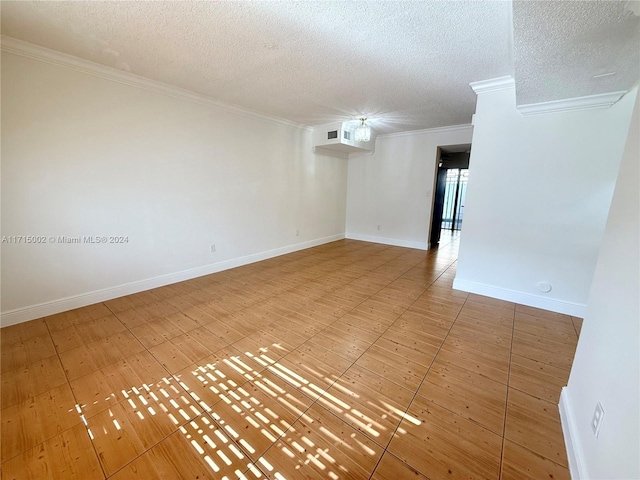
[(406, 65), (560, 46)]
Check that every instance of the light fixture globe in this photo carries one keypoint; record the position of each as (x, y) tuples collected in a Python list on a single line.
[(363, 131)]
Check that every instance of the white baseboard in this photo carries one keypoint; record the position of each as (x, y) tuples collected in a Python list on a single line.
[(387, 241), (553, 305), (32, 312), (577, 467)]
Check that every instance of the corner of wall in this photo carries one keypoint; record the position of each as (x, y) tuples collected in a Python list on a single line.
[(387, 241)]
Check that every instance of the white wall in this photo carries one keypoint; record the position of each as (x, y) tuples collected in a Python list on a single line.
[(606, 367), (393, 187), (83, 155), (537, 200)]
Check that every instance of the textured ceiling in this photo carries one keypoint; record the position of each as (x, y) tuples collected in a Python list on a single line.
[(308, 62), (406, 65), (559, 46)]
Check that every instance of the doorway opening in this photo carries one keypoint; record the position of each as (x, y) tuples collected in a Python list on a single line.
[(450, 191), (455, 192)]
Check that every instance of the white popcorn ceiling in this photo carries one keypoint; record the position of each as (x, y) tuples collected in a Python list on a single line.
[(406, 65), (559, 46)]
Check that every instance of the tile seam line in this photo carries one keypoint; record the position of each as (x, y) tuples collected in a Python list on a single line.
[(187, 393), (353, 363), (415, 394), (506, 400), (95, 451), (179, 385), (170, 375), (241, 447), (315, 401)]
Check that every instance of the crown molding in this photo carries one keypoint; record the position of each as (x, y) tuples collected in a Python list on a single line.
[(46, 55), (602, 100), (493, 84), (428, 131)]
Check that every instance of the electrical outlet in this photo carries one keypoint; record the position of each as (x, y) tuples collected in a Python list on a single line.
[(378, 227), (212, 248), (297, 232), (596, 421)]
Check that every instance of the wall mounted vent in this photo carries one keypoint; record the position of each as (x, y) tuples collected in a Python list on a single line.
[(336, 139)]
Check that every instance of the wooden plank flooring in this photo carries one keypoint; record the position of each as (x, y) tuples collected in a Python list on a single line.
[(349, 360)]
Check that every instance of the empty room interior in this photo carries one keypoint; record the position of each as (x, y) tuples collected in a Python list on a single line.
[(330, 239)]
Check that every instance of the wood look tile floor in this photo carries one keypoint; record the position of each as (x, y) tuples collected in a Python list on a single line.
[(348, 360)]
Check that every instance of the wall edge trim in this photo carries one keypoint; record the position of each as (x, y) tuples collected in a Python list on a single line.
[(577, 467), (553, 305), (52, 307)]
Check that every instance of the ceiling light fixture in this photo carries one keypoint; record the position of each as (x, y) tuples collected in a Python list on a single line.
[(363, 131)]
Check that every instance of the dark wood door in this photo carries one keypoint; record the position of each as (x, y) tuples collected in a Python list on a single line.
[(438, 205)]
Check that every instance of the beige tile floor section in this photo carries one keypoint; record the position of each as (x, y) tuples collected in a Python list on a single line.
[(349, 360)]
